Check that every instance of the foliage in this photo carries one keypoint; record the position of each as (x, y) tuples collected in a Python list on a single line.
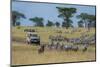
[(80, 23), (16, 16), (38, 21), (64, 24), (87, 19), (50, 23), (57, 24), (66, 14), (18, 23)]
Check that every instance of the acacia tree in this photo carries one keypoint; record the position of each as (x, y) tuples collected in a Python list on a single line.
[(17, 23), (91, 20), (66, 14), (50, 23), (87, 19), (57, 24), (80, 23), (38, 21), (83, 17), (16, 16)]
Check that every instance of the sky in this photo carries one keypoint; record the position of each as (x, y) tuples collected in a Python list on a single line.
[(48, 11)]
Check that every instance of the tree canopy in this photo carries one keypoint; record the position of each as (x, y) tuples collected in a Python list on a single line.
[(50, 23), (66, 14), (57, 24), (87, 19), (38, 21), (16, 16)]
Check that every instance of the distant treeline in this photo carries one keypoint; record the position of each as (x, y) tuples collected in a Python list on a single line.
[(85, 20)]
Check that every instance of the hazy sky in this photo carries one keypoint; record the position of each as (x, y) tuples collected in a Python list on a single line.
[(47, 11)]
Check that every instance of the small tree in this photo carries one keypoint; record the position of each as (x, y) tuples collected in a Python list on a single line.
[(50, 23), (87, 19), (38, 21), (57, 24), (83, 17), (16, 16), (91, 20), (18, 25), (80, 23)]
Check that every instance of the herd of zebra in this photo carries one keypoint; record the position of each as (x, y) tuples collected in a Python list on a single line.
[(85, 40), (60, 48)]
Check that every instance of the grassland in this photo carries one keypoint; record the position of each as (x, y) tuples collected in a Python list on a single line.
[(23, 54), (45, 32)]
